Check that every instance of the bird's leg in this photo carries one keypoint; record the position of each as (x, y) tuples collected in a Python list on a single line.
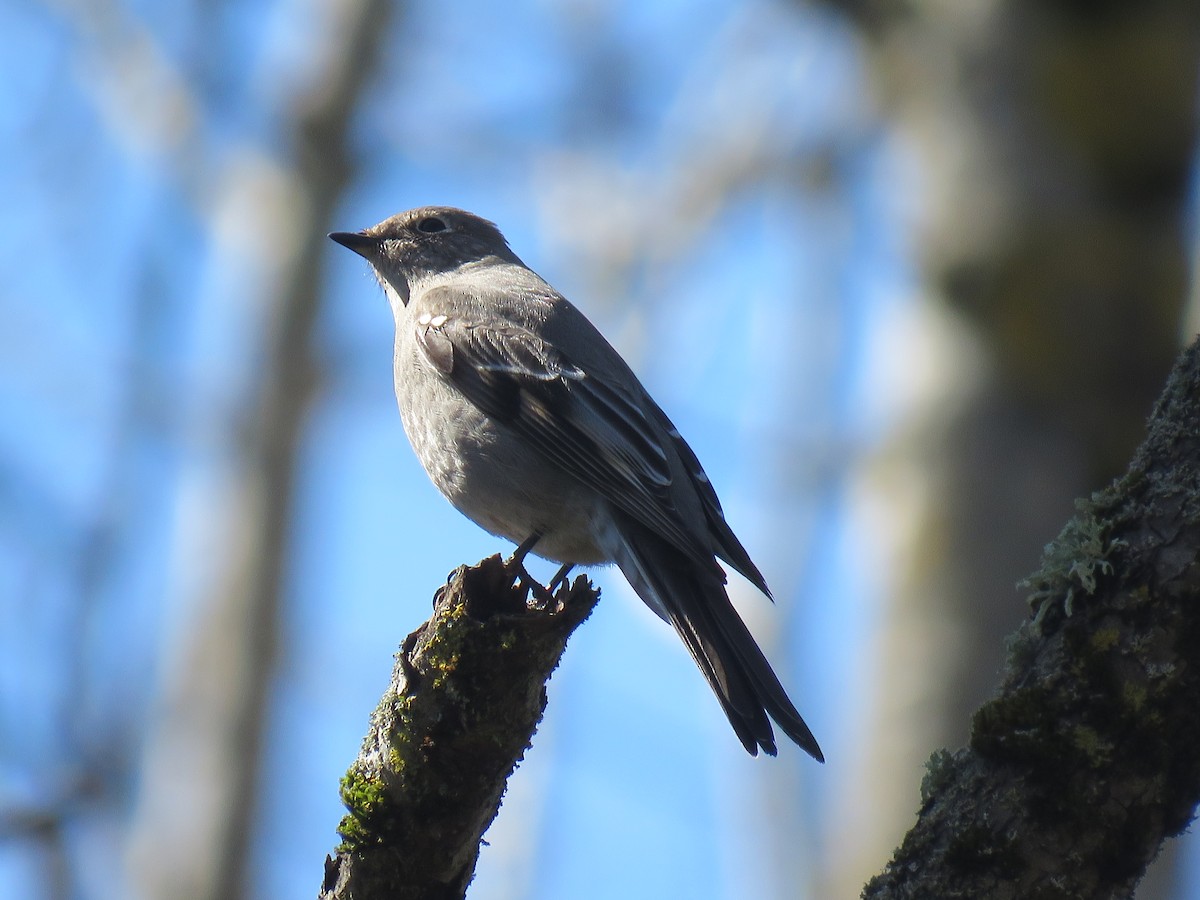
[(560, 577), (523, 548), (517, 562)]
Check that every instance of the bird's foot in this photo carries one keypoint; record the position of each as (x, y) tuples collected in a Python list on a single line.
[(515, 564), (560, 577), (543, 597), (517, 560)]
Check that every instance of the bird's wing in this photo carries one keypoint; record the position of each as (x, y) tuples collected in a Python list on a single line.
[(591, 427), (728, 547)]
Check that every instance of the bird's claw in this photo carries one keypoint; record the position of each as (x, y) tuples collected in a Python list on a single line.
[(516, 565)]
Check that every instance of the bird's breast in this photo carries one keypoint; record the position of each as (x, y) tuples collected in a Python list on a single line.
[(488, 473)]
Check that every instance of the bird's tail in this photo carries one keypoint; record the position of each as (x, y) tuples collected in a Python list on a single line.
[(694, 601)]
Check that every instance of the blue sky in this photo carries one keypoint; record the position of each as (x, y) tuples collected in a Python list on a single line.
[(132, 290), (750, 332)]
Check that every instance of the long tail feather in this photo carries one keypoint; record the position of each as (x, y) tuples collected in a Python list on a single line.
[(694, 601)]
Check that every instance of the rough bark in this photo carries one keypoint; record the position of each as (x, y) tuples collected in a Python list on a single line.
[(466, 695), (1085, 761)]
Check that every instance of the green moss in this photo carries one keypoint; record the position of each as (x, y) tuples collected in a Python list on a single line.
[(1103, 639), (1074, 561), (1089, 742), (939, 772), (1023, 646), (367, 802), (1133, 697), (1014, 725)]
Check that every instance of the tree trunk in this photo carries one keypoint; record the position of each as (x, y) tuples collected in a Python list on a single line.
[(1055, 143)]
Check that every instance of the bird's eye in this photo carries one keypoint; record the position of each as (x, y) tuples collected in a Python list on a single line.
[(431, 225)]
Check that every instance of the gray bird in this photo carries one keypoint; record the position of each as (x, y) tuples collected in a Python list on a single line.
[(532, 425)]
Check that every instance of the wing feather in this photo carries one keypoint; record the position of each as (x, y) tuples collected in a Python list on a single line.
[(590, 427)]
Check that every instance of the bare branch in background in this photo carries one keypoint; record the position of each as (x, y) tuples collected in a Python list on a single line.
[(97, 707), (194, 839)]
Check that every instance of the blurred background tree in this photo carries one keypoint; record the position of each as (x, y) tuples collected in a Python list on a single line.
[(907, 277), (1057, 147)]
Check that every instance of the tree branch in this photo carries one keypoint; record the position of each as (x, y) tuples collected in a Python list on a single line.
[(1086, 760), (467, 693)]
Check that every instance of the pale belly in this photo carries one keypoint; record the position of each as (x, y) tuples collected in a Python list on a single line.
[(501, 484)]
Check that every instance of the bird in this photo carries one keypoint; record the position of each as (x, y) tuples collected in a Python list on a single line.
[(533, 426)]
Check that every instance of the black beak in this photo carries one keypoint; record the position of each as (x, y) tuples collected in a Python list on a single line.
[(362, 244)]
